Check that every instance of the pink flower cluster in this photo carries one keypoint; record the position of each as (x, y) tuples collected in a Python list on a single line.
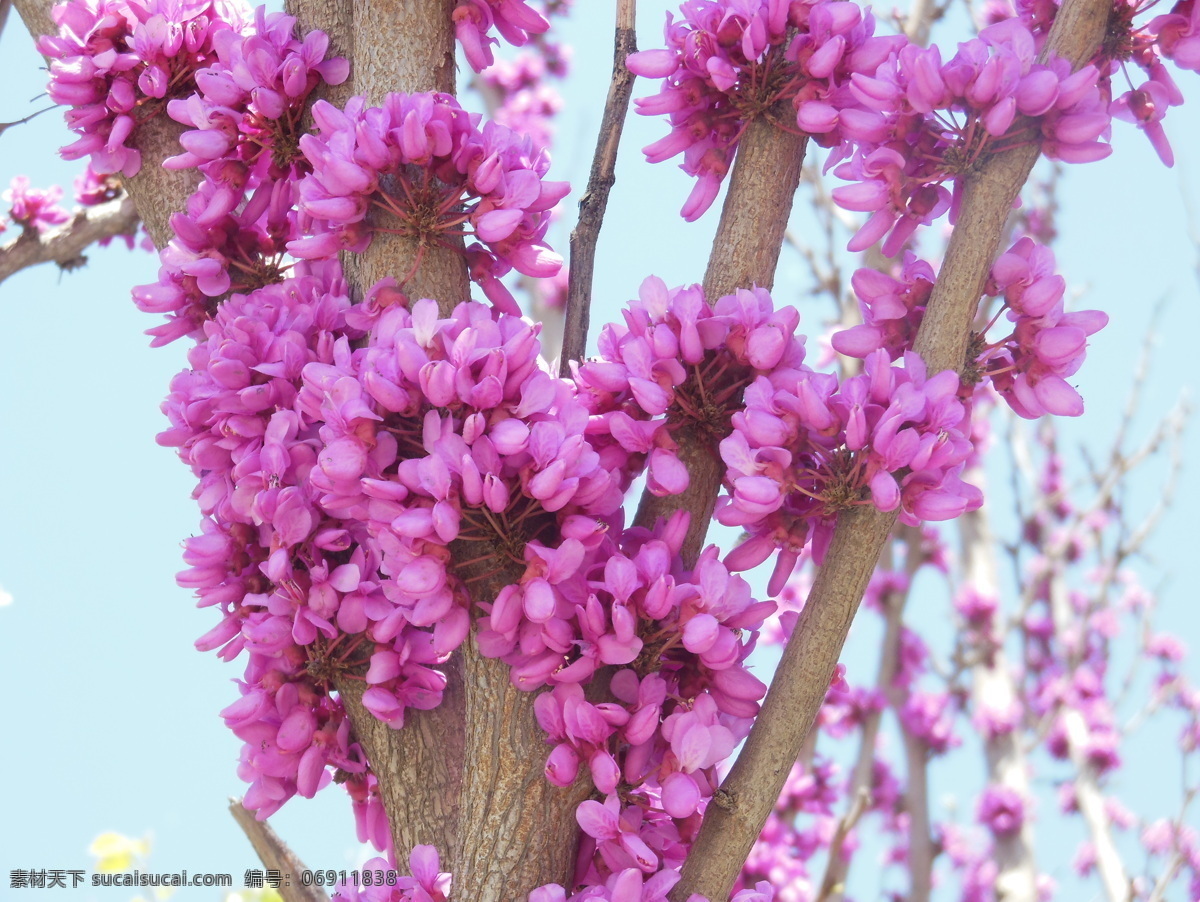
[(891, 308), (516, 20), (234, 423), (805, 449), (728, 61), (1171, 36), (115, 63), (679, 363), (922, 123), (248, 103), (1028, 367), (722, 63), (221, 244), (489, 179), (672, 721), (33, 209), (245, 115)]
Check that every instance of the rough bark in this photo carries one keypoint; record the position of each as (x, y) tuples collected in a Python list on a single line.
[(65, 244), (468, 776)]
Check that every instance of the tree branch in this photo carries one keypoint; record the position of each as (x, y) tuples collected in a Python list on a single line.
[(791, 706), (595, 198), (893, 603), (274, 853), (745, 251), (5, 7), (65, 245), (800, 682), (1088, 797), (993, 685), (467, 776)]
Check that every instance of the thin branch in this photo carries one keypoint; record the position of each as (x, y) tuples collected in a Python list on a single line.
[(595, 198), (893, 603), (1088, 797), (65, 245), (274, 853), (5, 126), (833, 884)]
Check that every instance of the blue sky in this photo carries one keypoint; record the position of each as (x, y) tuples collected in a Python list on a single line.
[(112, 716)]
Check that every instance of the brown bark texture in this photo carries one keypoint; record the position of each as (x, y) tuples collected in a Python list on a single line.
[(65, 244), (499, 825)]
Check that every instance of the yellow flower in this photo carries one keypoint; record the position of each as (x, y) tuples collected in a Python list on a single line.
[(266, 894), (116, 853)]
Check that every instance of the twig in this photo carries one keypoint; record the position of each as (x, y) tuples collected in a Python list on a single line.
[(1088, 796), (893, 603), (595, 197), (274, 853), (5, 126), (65, 244), (835, 868)]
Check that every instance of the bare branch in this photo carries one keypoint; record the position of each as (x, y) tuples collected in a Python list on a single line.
[(5, 126), (274, 853), (595, 198), (1089, 798), (993, 685), (65, 245), (837, 868), (790, 708), (833, 883)]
